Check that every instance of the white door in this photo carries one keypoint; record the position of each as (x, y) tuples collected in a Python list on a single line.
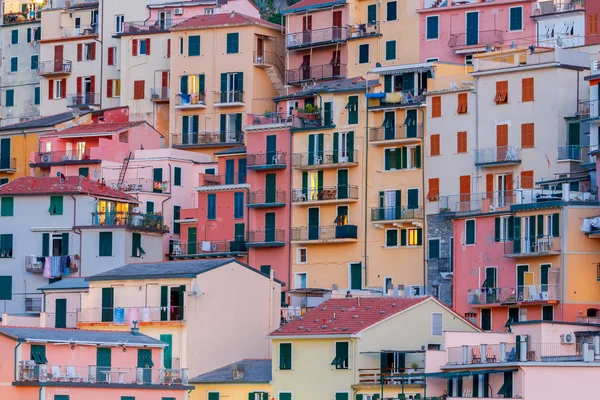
[(390, 204), (343, 147), (69, 151), (499, 196), (525, 234)]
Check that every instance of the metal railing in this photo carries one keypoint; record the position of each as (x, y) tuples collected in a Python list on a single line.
[(268, 118), (395, 213), (208, 247), (324, 232), (83, 99), (33, 304), (440, 264), (310, 120), (35, 264), (221, 179), (21, 17), (231, 96), (363, 30), (513, 294), (390, 376), (575, 153), (485, 37), (500, 155), (55, 67), (312, 72), (8, 163), (395, 132), (60, 156), (272, 158), (589, 109), (138, 185), (161, 93), (556, 6), (324, 193), (332, 34), (266, 236), (532, 245), (149, 26), (514, 352), (126, 315), (84, 30), (267, 197), (29, 371), (150, 221), (269, 59), (401, 97), (207, 138), (190, 100), (327, 157)]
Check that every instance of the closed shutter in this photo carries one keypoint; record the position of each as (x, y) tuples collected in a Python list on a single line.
[(363, 53), (176, 216), (168, 351), (432, 27), (285, 356), (147, 47), (516, 20), (434, 249), (107, 304), (212, 206), (111, 56), (149, 207), (555, 225), (65, 244), (390, 50), (470, 231), (80, 51), (497, 222), (387, 84), (109, 88), (233, 43), (5, 287), (164, 301), (105, 244), (177, 176), (7, 205), (434, 145), (527, 89), (461, 142), (527, 179), (183, 84), (436, 106), (194, 46), (391, 11), (45, 244), (391, 238), (527, 136), (402, 237)]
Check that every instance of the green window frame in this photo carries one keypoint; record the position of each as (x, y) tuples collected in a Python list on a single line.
[(14, 64), (56, 205), (390, 50), (136, 245), (193, 45), (363, 53), (391, 238), (36, 95), (285, 356), (105, 240), (516, 18), (238, 205), (177, 176), (285, 396), (341, 359), (6, 245), (342, 396), (433, 249), (391, 11), (470, 231), (34, 62), (432, 27), (233, 43), (9, 98), (352, 108), (211, 206), (149, 207), (7, 206), (6, 287), (14, 36)]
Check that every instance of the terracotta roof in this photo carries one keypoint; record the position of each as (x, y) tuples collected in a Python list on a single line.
[(31, 185), (43, 122), (347, 316), (307, 4), (109, 128), (215, 20)]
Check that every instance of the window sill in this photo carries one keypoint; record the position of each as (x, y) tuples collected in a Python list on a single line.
[(391, 247)]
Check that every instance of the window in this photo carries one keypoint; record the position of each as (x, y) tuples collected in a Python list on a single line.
[(372, 14), (14, 64), (390, 50), (436, 106), (56, 205), (6, 245), (285, 396), (211, 200), (211, 396), (432, 59), (301, 255), (470, 231), (7, 206), (136, 245), (5, 287), (527, 136), (592, 24), (113, 88), (506, 390), (501, 92), (112, 56), (149, 207), (180, 45), (434, 143), (119, 20), (461, 142), (168, 48), (233, 43), (285, 356), (516, 19), (486, 319), (469, 59), (209, 11), (433, 249), (436, 324), (238, 205), (391, 238), (462, 103), (139, 90), (363, 54), (176, 217), (547, 313), (3, 181), (411, 237), (391, 8), (57, 88), (66, 397), (265, 269), (193, 46), (105, 244), (86, 51), (341, 396), (527, 179), (527, 92), (143, 47), (434, 189), (300, 280), (392, 159), (34, 62), (10, 98), (414, 157), (433, 27), (36, 95), (503, 227), (177, 176), (352, 108), (14, 36), (340, 361)]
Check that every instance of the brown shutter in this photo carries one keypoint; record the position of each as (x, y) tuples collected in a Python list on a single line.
[(79, 51), (165, 79), (527, 85), (465, 192), (434, 145), (79, 85), (147, 47), (527, 136), (462, 103), (509, 181), (461, 142), (109, 88), (50, 89), (436, 106), (111, 56), (527, 179), (434, 189), (489, 185), (168, 48), (93, 51), (92, 84), (63, 85), (134, 47)]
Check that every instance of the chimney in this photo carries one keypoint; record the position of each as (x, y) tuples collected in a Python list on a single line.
[(238, 371), (334, 287), (401, 290), (134, 329)]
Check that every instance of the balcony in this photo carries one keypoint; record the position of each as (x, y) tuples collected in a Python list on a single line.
[(268, 120), (311, 119), (83, 100), (325, 234), (396, 134), (55, 68), (310, 73), (397, 99), (266, 161), (22, 17), (513, 295), (482, 39), (207, 139), (65, 375), (35, 264), (137, 221), (83, 30), (338, 194), (325, 159), (557, 6), (392, 377), (230, 98), (126, 315), (190, 101), (161, 95), (589, 110), (8, 165), (211, 182), (266, 238), (530, 246), (498, 156), (213, 248), (140, 185), (441, 265), (64, 157), (572, 153), (367, 30), (266, 198), (316, 37), (149, 26), (396, 215)]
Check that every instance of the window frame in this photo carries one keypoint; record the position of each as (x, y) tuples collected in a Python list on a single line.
[(510, 29), (291, 357), (119, 27), (12, 91), (395, 55), (347, 366), (387, 10), (433, 332), (409, 237), (37, 62), (16, 58), (474, 221), (439, 246), (299, 255), (227, 41), (100, 235), (368, 53), (397, 238)]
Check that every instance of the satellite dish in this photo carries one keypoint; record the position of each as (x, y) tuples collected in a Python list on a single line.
[(513, 45), (67, 4)]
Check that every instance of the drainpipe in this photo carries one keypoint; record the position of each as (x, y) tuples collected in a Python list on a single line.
[(365, 205), (77, 232), (424, 229), (19, 341), (289, 208)]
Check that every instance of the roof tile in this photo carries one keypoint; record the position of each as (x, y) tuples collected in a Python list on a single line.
[(233, 18), (112, 127)]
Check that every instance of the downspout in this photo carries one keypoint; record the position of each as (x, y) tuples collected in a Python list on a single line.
[(77, 232), (424, 229), (162, 206), (365, 205), (19, 341), (289, 208)]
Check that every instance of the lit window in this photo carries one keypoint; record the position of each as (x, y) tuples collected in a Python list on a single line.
[(413, 237)]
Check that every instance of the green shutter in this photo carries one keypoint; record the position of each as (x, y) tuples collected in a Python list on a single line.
[(56, 205), (240, 81), (45, 244), (517, 235), (168, 351), (544, 269), (353, 111), (10, 98), (321, 139), (223, 82), (7, 205), (320, 183), (391, 11), (242, 170), (390, 50), (372, 14), (60, 307), (157, 174), (201, 83), (418, 157), (434, 249), (387, 159), (265, 269), (6, 246), (164, 303), (358, 396), (194, 45), (213, 396), (176, 216), (311, 149), (149, 207), (84, 171), (404, 158), (363, 53), (497, 229), (183, 84), (305, 184), (212, 206), (28, 35), (350, 146), (432, 27), (336, 142), (177, 177), (391, 238), (65, 244), (387, 83), (223, 128), (105, 244), (356, 276), (285, 356), (107, 304), (402, 237), (5, 287), (419, 237), (233, 43), (555, 225), (341, 396), (136, 244), (36, 95), (516, 18), (470, 231)]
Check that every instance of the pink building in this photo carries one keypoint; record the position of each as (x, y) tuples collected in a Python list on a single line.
[(453, 30), (63, 364)]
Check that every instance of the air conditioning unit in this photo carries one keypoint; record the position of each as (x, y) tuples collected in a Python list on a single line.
[(178, 11), (46, 158), (155, 95), (567, 338)]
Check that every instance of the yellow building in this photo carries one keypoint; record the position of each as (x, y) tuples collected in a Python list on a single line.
[(248, 379), (348, 346)]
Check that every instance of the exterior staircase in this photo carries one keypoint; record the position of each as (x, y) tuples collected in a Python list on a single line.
[(123, 170), (273, 66)]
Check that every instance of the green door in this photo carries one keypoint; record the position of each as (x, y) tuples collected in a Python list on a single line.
[(145, 362), (521, 269), (411, 124), (192, 241), (389, 128), (271, 149), (157, 177), (517, 236), (108, 295), (60, 320), (313, 224), (270, 227), (4, 153), (168, 352), (239, 234), (356, 276), (270, 188), (229, 172), (486, 319), (103, 356), (342, 186), (472, 28)]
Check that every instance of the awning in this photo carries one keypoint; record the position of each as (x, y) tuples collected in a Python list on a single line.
[(375, 95), (308, 292), (387, 351), (403, 69), (458, 374)]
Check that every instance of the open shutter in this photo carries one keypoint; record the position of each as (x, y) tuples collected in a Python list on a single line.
[(109, 88), (223, 82), (350, 147), (240, 81), (134, 47), (45, 244), (79, 51), (50, 89), (183, 84), (418, 156), (223, 128), (92, 84), (311, 149), (164, 303), (63, 86), (111, 56), (497, 229), (335, 147), (79, 85), (201, 81), (93, 51), (555, 225), (65, 244), (148, 47), (404, 158)]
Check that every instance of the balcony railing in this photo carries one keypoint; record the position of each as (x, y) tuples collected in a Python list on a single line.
[(363, 30), (441, 265), (334, 34), (148, 221), (329, 232), (221, 179), (391, 376), (268, 118), (269, 59), (126, 315), (557, 6), (83, 30), (8, 164), (266, 237), (190, 100), (269, 160), (325, 193), (230, 97), (513, 294), (572, 153), (35, 264), (589, 109), (209, 248), (83, 99), (498, 155), (310, 120), (312, 72), (208, 138), (513, 352), (325, 158), (398, 98), (527, 246), (139, 185), (395, 213), (267, 198), (21, 17), (29, 371), (62, 156), (149, 26), (485, 37), (395, 132), (55, 67), (160, 93)]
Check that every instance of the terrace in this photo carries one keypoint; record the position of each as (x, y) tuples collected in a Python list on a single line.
[(83, 100), (316, 37), (48, 158), (498, 156), (326, 195), (212, 248), (513, 295), (55, 68), (266, 238), (325, 159), (268, 120), (532, 246), (396, 134), (309, 73), (210, 182), (266, 198), (404, 214), (126, 315), (207, 139), (132, 220), (266, 161), (324, 234)]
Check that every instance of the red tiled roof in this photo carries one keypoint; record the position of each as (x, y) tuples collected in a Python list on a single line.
[(87, 129), (30, 185), (352, 315), (234, 18), (311, 3)]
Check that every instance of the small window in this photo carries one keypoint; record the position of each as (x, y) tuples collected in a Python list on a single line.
[(285, 356), (105, 244), (34, 62), (516, 19), (136, 245), (363, 54), (144, 47), (180, 45), (211, 212), (88, 51), (233, 43), (340, 361), (6, 246), (414, 237), (36, 95), (463, 105), (436, 324), (14, 64), (436, 106), (177, 176), (432, 27), (433, 249), (10, 98), (469, 59), (391, 8), (502, 227), (139, 90), (56, 205), (391, 238), (14, 36), (193, 46), (119, 20), (390, 50), (470, 231), (547, 313), (238, 205), (461, 142), (7, 206), (301, 255)]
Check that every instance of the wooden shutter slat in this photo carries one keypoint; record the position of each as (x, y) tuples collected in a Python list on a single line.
[(527, 179)]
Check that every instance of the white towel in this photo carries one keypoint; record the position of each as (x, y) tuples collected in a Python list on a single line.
[(206, 246)]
